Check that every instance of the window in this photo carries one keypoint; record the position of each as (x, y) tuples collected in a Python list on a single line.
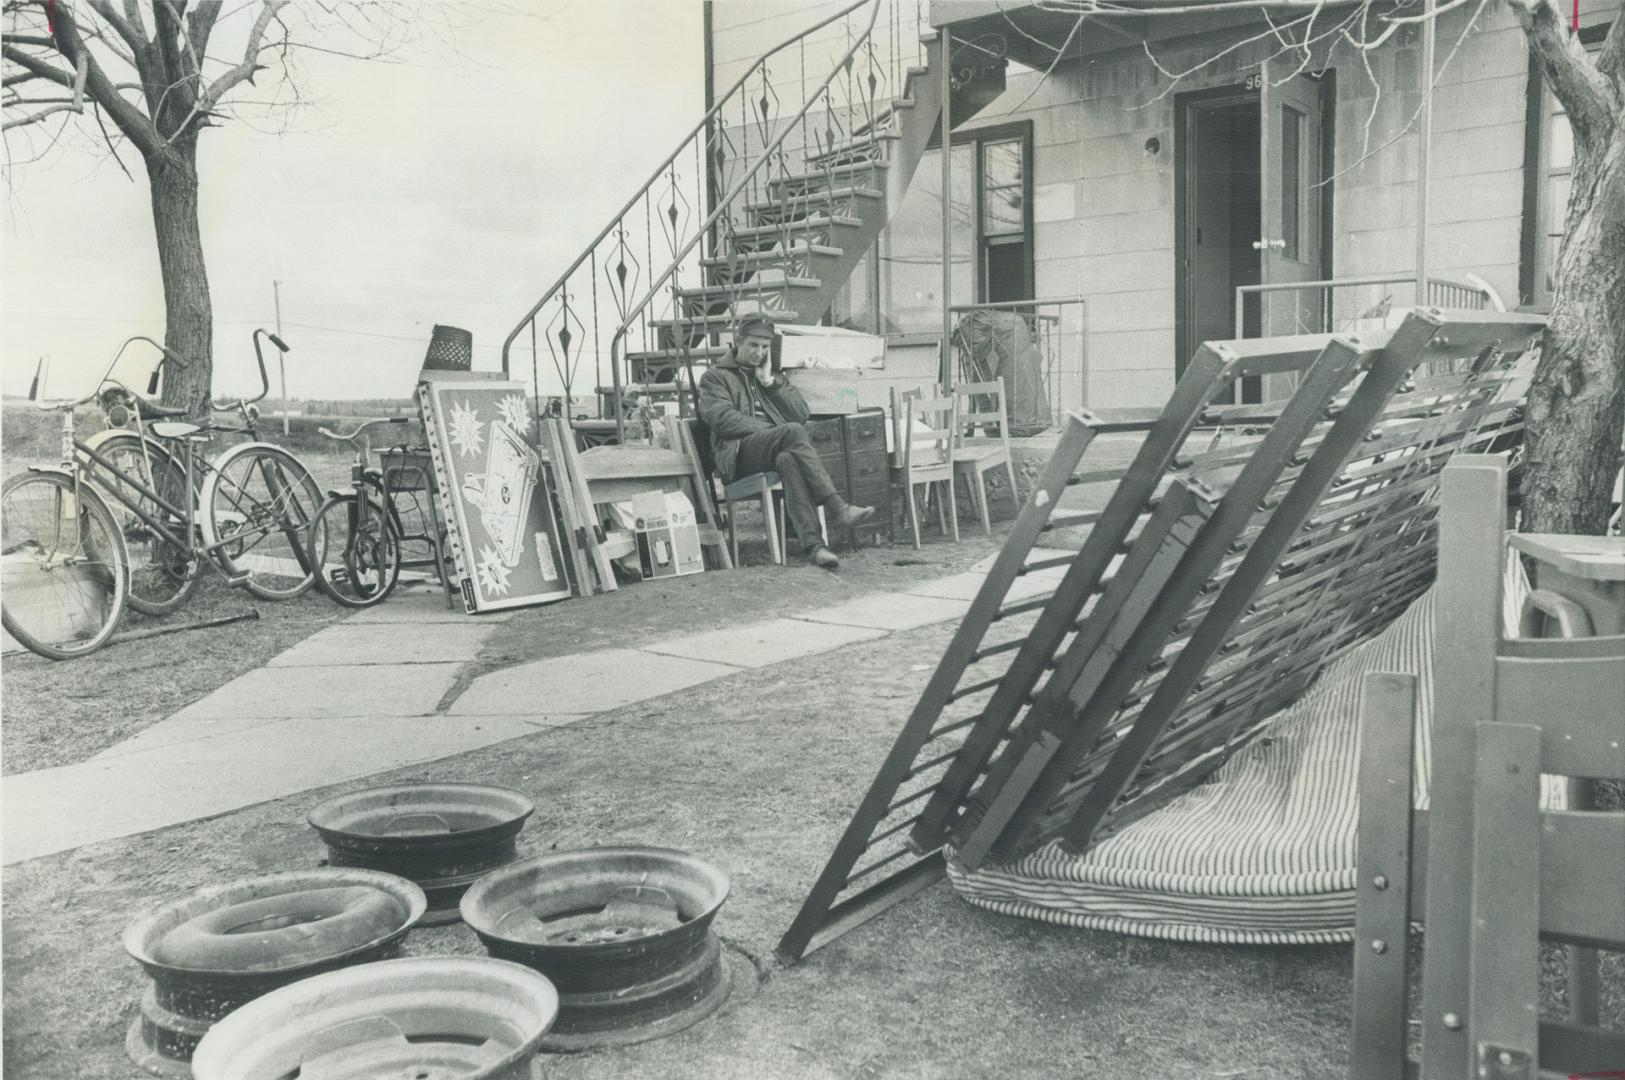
[(1548, 165), (990, 238)]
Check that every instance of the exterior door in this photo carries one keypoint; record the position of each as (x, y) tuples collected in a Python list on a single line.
[(1290, 177)]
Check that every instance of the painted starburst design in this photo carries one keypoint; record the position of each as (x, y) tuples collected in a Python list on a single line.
[(493, 573), (514, 412), (465, 432)]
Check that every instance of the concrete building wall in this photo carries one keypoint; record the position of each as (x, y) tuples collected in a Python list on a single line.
[(1103, 206)]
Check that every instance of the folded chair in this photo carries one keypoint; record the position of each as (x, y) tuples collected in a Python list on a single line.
[(982, 404), (1486, 871)]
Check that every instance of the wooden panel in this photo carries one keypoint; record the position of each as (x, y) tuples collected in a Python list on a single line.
[(1382, 881), (1504, 941), (1578, 699), (1467, 625)]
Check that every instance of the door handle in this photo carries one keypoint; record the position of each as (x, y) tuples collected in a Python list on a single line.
[(1267, 243)]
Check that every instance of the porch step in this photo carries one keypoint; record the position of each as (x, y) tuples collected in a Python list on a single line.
[(797, 206)]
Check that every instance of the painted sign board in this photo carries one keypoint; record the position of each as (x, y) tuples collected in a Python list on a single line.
[(504, 539)]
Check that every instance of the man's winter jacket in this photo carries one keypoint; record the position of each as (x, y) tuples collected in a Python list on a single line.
[(733, 404)]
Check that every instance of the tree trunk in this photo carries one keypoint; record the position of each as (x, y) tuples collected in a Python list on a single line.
[(1577, 400), (189, 327)]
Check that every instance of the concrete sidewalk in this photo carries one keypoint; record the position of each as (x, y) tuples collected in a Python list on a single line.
[(370, 693)]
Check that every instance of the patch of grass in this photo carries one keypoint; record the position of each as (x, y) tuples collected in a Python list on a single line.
[(59, 713)]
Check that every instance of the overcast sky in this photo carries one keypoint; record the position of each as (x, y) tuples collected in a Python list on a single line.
[(452, 186)]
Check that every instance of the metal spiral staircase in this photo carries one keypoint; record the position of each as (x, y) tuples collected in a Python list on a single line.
[(767, 205)]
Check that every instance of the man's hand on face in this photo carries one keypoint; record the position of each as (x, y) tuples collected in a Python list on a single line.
[(758, 352)]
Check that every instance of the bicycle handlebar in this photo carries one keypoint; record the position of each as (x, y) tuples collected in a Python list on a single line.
[(227, 404), (364, 425)]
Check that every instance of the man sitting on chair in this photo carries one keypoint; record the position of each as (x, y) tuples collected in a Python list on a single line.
[(755, 417)]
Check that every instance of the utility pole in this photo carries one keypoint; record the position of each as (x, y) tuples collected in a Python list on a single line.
[(281, 359), (1424, 139)]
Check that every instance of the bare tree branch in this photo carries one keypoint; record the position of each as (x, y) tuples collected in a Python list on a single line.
[(243, 72), (35, 66), (129, 119), (119, 24), (1592, 101)]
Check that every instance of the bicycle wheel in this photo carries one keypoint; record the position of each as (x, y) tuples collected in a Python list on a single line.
[(357, 562), (62, 565), (162, 574), (263, 500)]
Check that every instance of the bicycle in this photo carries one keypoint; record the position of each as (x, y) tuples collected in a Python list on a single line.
[(233, 488), (355, 539), (65, 559)]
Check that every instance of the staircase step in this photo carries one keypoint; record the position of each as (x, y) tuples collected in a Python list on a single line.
[(774, 210), (719, 320), (802, 182), (643, 388), (747, 288), (695, 352), (869, 143), (747, 259), (752, 236)]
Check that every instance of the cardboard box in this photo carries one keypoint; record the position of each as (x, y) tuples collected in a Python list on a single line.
[(667, 534)]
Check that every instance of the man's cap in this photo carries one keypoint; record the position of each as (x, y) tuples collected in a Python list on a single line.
[(756, 323)]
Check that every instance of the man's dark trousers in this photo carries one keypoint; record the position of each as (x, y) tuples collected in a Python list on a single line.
[(786, 450)]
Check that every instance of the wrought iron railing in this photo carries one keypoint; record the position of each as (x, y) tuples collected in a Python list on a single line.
[(1044, 340), (1339, 304), (677, 233)]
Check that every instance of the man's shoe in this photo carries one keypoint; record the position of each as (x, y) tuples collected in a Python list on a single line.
[(823, 558), (853, 516)]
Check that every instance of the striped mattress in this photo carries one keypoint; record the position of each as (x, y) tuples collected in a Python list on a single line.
[(1263, 852)]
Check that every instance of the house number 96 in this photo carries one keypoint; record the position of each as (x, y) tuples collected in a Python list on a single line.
[(1254, 81)]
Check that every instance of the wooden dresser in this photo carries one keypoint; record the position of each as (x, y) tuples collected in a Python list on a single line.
[(853, 449)]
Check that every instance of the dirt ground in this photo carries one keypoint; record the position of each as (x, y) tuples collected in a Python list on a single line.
[(758, 773)]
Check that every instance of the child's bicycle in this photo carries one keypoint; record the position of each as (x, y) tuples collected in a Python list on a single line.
[(66, 554), (357, 538), (233, 491)]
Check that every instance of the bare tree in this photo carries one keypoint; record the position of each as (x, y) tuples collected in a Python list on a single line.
[(160, 88), (1577, 402), (146, 66)]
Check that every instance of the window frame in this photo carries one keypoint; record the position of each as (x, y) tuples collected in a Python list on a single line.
[(1537, 228)]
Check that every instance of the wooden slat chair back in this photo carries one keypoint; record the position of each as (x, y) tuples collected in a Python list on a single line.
[(1239, 552), (982, 408), (1487, 872), (928, 440)]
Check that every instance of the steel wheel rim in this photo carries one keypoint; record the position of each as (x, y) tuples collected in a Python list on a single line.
[(485, 1017)]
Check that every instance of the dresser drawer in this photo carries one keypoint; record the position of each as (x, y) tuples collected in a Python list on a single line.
[(868, 473), (825, 436), (866, 431)]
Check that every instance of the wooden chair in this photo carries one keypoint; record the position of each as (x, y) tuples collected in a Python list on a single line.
[(1484, 869), (927, 437), (982, 404), (766, 488)]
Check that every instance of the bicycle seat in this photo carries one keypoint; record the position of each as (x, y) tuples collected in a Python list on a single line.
[(174, 430), (153, 409)]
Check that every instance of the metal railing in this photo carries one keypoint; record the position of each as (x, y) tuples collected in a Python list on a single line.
[(736, 156), (1026, 341), (1326, 314)]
